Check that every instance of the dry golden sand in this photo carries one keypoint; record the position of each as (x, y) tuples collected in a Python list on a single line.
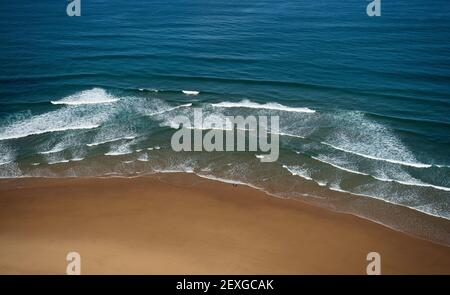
[(182, 224)]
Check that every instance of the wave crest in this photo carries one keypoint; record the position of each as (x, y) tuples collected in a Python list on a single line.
[(266, 106), (92, 96)]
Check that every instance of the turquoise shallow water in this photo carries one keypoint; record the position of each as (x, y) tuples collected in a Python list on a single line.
[(96, 95)]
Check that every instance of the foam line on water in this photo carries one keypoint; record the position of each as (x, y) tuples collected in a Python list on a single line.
[(64, 119), (143, 158), (149, 89), (297, 171), (421, 208), (92, 96), (410, 164), (171, 109), (54, 150), (110, 140), (303, 173), (340, 167), (418, 184), (76, 159), (267, 106), (37, 132), (118, 153), (288, 135), (58, 162), (190, 92), (119, 150)]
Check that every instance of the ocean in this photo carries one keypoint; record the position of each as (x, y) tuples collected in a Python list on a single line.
[(363, 102)]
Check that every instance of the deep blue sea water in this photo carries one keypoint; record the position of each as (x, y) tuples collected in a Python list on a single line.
[(95, 95)]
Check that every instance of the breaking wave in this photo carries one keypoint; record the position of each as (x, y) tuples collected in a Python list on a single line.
[(267, 106), (93, 96)]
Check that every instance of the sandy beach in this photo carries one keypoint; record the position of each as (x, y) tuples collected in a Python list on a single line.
[(183, 224)]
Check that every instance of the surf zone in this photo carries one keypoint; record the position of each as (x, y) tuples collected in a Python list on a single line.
[(228, 133)]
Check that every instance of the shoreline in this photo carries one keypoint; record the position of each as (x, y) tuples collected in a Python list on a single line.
[(183, 223), (401, 207), (434, 228)]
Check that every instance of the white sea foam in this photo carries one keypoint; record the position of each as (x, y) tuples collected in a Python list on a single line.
[(442, 166), (7, 154), (339, 167), (10, 170), (35, 131), (359, 135), (110, 140), (149, 89), (54, 150), (322, 183), (64, 119), (117, 153), (76, 159), (181, 170), (304, 173), (190, 92), (267, 106), (118, 150), (427, 209), (211, 120), (92, 96), (338, 189), (411, 164), (298, 171), (143, 158), (58, 162), (171, 109), (419, 183), (409, 183), (289, 135)]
